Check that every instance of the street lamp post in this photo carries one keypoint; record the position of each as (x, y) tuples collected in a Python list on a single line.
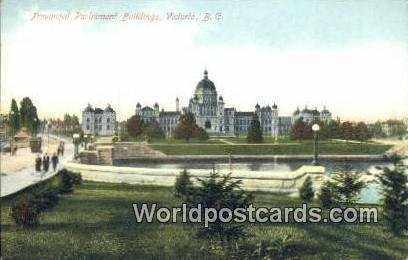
[(85, 141), (75, 138), (315, 129)]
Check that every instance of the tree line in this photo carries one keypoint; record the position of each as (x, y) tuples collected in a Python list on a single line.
[(24, 116), (334, 129), (67, 126), (186, 129)]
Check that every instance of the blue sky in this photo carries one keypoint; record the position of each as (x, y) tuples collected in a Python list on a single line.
[(288, 50)]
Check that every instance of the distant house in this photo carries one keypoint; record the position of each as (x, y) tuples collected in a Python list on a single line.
[(97, 121), (312, 115)]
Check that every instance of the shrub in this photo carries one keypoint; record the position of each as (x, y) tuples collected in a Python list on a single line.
[(346, 185), (306, 192), (67, 181), (201, 134), (183, 186), (326, 195), (46, 199), (153, 131), (77, 177), (24, 212), (221, 191)]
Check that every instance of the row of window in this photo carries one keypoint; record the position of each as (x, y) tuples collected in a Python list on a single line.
[(169, 121), (98, 120), (98, 127)]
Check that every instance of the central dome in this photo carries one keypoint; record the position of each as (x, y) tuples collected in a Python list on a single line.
[(205, 86)]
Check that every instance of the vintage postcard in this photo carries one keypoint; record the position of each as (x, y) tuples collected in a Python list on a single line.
[(140, 129)]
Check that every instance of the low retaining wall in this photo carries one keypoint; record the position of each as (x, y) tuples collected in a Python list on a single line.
[(249, 158), (285, 182), (105, 154)]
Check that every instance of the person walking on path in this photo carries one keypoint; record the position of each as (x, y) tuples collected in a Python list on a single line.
[(46, 162), (62, 148), (38, 163), (54, 161)]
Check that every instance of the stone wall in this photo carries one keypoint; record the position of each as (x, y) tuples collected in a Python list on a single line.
[(105, 154), (89, 157)]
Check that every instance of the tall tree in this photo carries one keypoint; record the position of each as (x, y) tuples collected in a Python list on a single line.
[(28, 115), (361, 132), (333, 129), (324, 130), (399, 129), (134, 126), (347, 130), (153, 130), (75, 121), (67, 121), (297, 131), (254, 134), (14, 116), (186, 128), (376, 130), (395, 196)]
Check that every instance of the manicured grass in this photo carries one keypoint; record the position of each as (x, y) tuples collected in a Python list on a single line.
[(305, 147), (174, 141), (97, 221)]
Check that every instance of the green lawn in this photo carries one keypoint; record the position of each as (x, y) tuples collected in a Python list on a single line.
[(295, 148), (174, 141), (97, 221)]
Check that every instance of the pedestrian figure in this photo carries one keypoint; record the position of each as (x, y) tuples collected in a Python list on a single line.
[(46, 162), (62, 148), (38, 163), (54, 161), (59, 150)]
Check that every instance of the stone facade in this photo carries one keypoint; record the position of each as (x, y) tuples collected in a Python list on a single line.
[(212, 115), (98, 122)]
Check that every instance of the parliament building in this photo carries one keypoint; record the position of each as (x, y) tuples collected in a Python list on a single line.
[(214, 116)]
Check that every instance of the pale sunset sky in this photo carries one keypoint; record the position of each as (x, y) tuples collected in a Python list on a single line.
[(351, 55)]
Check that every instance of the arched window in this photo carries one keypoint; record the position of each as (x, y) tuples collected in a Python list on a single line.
[(207, 124)]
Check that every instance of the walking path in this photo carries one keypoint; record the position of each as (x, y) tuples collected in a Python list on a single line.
[(14, 181)]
